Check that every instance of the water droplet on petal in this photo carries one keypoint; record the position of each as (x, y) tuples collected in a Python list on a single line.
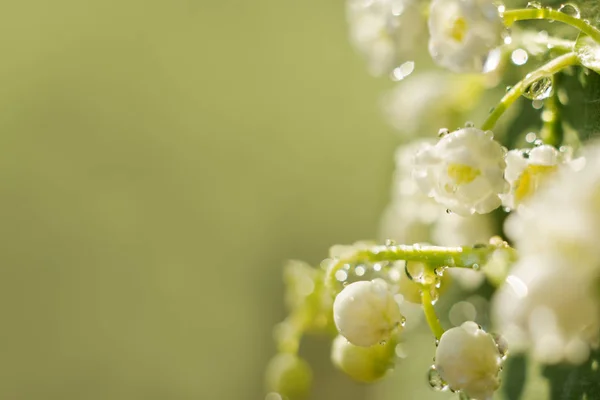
[(469, 124), (435, 380), (501, 344), (390, 242), (540, 89), (443, 132), (448, 211), (538, 142), (570, 9)]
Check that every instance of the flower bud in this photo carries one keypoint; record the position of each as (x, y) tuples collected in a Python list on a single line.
[(365, 313), (363, 364), (468, 360), (288, 375)]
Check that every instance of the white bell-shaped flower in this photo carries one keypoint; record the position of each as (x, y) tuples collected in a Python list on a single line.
[(385, 31), (366, 313), (363, 364), (550, 308), (464, 171), (468, 360), (465, 34), (525, 171)]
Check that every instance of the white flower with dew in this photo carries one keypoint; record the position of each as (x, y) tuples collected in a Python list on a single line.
[(465, 34), (366, 313), (468, 360), (549, 309), (526, 171), (464, 171), (550, 303), (420, 105), (410, 214), (385, 31)]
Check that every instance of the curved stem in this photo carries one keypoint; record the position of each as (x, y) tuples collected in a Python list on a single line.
[(434, 256), (430, 315), (517, 90), (512, 16)]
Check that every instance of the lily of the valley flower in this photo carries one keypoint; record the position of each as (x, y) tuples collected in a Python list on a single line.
[(465, 34), (463, 171)]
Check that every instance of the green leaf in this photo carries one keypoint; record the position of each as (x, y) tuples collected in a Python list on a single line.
[(514, 377), (568, 382)]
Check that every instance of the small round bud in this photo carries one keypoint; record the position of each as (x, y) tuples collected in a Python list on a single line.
[(288, 375), (366, 313), (363, 364), (467, 359)]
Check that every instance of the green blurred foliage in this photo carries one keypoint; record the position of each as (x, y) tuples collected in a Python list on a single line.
[(159, 161)]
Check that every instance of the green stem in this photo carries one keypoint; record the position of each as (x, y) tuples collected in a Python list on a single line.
[(512, 16), (517, 90), (433, 256), (551, 132), (430, 315)]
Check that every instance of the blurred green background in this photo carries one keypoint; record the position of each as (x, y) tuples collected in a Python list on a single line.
[(159, 162)]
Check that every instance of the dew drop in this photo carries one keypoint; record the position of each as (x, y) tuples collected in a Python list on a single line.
[(403, 321), (435, 380), (439, 271), (448, 211), (506, 209), (489, 134), (443, 132), (469, 124), (404, 70), (475, 267), (537, 104), (390, 242), (540, 89), (530, 137), (534, 4), (508, 88), (519, 57), (570, 9)]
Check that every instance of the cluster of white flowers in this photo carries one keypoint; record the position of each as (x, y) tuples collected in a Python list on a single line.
[(550, 300), (464, 35)]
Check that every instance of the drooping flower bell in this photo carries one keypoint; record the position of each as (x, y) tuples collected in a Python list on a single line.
[(468, 360), (464, 171), (465, 34), (366, 313)]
